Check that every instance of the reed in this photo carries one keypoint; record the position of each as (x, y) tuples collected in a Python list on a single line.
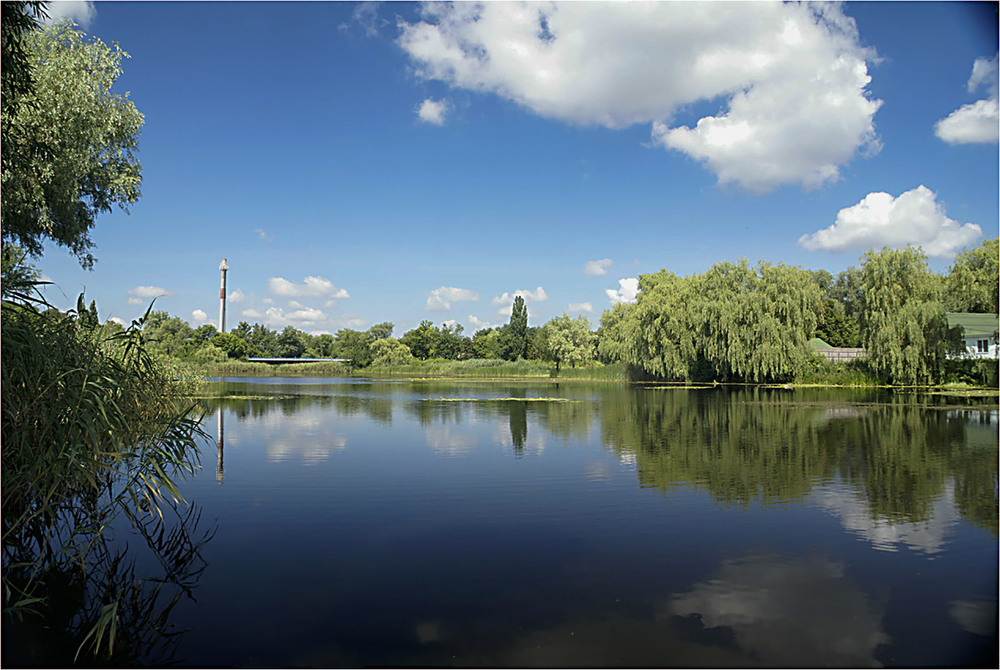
[(94, 430)]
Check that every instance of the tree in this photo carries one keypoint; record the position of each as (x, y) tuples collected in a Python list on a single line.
[(69, 142), (486, 343), (422, 340), (235, 347), (732, 322), (292, 343), (835, 328), (973, 282), (516, 334), (569, 340), (388, 351), (903, 321)]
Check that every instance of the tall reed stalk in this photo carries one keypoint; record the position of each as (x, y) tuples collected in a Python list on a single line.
[(93, 432)]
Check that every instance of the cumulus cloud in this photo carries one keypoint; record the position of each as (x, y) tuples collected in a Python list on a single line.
[(252, 314), (597, 268), (915, 217), (237, 296), (580, 307), (791, 78), (433, 111), (440, 299), (199, 316), (120, 322), (538, 295), (141, 295), (310, 287), (627, 291), (80, 12), (977, 122)]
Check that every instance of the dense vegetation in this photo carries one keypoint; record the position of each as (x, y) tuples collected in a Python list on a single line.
[(732, 323), (95, 430)]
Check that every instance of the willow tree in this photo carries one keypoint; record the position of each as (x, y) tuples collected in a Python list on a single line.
[(69, 144), (732, 322), (903, 321), (973, 282)]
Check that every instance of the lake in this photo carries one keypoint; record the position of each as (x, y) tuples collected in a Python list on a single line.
[(381, 523)]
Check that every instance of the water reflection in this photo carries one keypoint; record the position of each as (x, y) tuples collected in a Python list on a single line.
[(788, 612), (220, 444), (895, 470), (662, 527)]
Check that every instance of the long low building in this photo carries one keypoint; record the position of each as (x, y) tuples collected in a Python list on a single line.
[(979, 332)]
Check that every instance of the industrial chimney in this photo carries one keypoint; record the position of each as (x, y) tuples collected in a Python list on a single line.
[(223, 266)]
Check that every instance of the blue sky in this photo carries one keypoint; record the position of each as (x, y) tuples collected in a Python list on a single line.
[(359, 163)]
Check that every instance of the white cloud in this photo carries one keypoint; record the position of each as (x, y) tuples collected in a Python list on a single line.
[(580, 307), (80, 12), (433, 111), (262, 235), (199, 316), (237, 296), (440, 299), (628, 289), (915, 217), (295, 304), (307, 316), (310, 287), (597, 268), (366, 16), (538, 295), (120, 322), (478, 324), (141, 295), (791, 78), (977, 122), (252, 314)]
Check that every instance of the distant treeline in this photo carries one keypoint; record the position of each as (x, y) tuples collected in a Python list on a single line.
[(732, 323)]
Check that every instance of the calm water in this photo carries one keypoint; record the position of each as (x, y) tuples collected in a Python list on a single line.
[(402, 524)]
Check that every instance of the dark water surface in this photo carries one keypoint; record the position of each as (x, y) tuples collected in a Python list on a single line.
[(502, 524)]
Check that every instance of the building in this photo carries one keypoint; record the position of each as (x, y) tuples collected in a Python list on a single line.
[(979, 331)]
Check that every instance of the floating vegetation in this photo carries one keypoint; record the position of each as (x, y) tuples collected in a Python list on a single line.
[(499, 400)]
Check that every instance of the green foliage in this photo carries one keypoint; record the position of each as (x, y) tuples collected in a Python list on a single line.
[(732, 323), (93, 429), (292, 343), (15, 270), (388, 351), (903, 322), (568, 340), (427, 341), (69, 142), (516, 342), (233, 346), (973, 282), (835, 328)]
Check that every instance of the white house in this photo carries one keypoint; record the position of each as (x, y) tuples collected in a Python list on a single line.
[(980, 332)]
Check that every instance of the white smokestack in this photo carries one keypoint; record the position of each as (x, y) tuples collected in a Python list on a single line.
[(224, 267)]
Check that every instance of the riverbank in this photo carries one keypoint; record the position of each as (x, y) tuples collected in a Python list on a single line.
[(538, 371)]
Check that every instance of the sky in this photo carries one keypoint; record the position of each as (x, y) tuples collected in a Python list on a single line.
[(367, 162)]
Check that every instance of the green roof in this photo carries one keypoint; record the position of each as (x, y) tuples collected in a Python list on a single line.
[(817, 343), (975, 325)]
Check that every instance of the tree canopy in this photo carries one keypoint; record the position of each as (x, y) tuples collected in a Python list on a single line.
[(973, 282), (903, 320), (69, 142)]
